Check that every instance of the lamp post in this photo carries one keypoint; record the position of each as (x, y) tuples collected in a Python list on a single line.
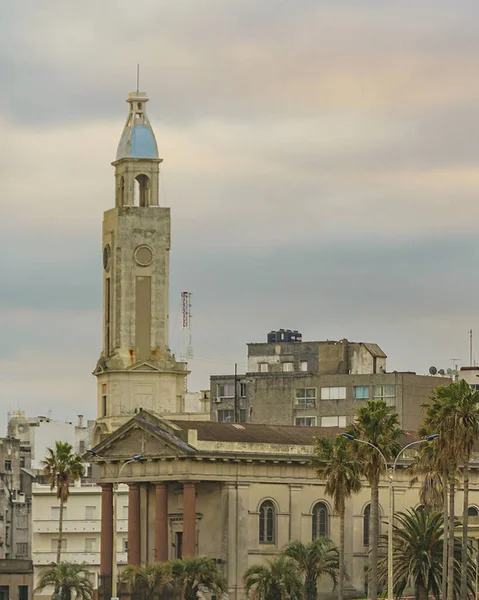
[(390, 469), (114, 565)]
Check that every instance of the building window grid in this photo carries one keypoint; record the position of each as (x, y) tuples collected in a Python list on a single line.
[(361, 392), (333, 421), (287, 367), (267, 523), (306, 421), (320, 524), (384, 391), (333, 393), (305, 397)]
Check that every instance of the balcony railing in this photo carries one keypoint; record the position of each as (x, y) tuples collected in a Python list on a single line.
[(75, 525), (91, 558)]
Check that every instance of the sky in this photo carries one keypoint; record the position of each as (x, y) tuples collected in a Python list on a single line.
[(321, 162)]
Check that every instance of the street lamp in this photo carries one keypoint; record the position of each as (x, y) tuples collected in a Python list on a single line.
[(114, 566), (390, 470)]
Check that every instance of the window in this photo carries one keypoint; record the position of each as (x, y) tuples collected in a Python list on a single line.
[(81, 447), (333, 393), (267, 519), (333, 421), (90, 544), (242, 390), (472, 512), (305, 421), (178, 544), (22, 464), (8, 466), (366, 521), (21, 522), (4, 592), (242, 415), (226, 416), (304, 365), (305, 397), (54, 543), (90, 513), (226, 390), (361, 392), (104, 397), (55, 513), (23, 592), (366, 524), (125, 544), (263, 367), (125, 511), (287, 367), (22, 549), (384, 391), (320, 520)]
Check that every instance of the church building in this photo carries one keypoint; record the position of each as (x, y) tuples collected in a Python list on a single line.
[(236, 492)]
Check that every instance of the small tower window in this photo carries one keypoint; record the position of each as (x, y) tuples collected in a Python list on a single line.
[(142, 191), (121, 191)]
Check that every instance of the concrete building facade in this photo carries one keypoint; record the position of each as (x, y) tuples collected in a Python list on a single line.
[(237, 493), (317, 384)]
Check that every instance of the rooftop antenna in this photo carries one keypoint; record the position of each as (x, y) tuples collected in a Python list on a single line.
[(137, 77), (470, 348)]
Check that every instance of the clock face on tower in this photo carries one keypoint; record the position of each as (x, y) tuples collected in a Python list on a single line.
[(106, 257)]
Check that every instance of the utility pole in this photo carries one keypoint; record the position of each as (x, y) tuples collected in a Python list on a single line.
[(236, 405)]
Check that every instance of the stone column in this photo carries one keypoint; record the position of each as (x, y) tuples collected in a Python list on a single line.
[(134, 524), (106, 536), (295, 512), (237, 536), (161, 522), (189, 518)]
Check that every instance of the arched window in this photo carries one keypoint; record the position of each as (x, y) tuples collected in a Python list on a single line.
[(320, 520), (142, 191), (121, 191), (267, 523), (366, 523), (472, 512)]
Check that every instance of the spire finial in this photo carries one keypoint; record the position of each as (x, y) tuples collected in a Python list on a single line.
[(137, 77)]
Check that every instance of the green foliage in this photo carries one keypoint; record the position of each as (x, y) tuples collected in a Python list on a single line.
[(148, 579), (319, 558), (62, 467), (70, 579), (418, 539), (278, 579), (189, 574)]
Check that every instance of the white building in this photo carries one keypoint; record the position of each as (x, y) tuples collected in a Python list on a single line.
[(81, 528)]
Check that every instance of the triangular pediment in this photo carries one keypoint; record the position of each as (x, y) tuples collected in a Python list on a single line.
[(144, 366), (147, 435)]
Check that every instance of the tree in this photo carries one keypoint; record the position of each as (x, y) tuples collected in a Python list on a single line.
[(417, 555), (377, 424), (62, 467), (337, 465), (71, 580), (147, 579), (454, 414), (191, 574), (278, 579), (317, 559)]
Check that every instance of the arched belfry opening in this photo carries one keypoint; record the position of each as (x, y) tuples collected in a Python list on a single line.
[(142, 191), (121, 191)]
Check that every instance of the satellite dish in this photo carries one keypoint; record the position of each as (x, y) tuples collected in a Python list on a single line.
[(432, 370), (441, 372)]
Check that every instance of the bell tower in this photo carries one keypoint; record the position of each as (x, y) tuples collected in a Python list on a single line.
[(136, 368)]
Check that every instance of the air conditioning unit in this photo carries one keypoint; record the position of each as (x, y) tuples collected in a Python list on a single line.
[(217, 400)]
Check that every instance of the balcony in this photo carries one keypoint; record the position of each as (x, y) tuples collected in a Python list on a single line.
[(75, 525), (90, 558), (305, 404)]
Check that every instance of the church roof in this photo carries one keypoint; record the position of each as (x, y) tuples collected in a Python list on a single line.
[(137, 139)]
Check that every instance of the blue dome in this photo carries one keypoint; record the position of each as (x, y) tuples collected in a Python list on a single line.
[(137, 139)]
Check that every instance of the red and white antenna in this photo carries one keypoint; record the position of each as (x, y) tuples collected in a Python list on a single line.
[(186, 346)]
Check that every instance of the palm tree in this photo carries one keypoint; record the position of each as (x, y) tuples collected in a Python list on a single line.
[(377, 424), (191, 574), (147, 579), (70, 579), (62, 467), (316, 559), (417, 555), (338, 466), (454, 411), (278, 579)]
